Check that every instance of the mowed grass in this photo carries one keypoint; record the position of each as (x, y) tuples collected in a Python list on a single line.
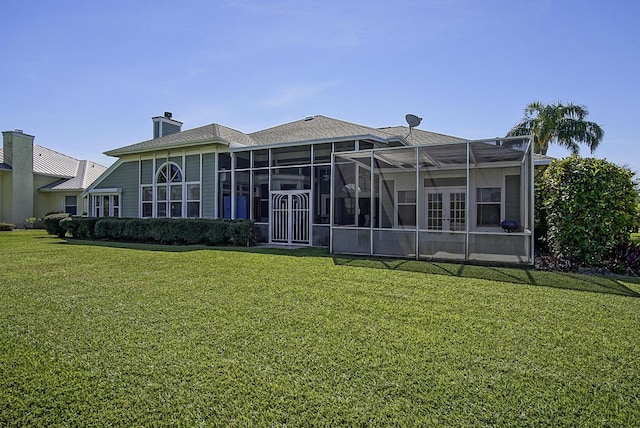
[(98, 334)]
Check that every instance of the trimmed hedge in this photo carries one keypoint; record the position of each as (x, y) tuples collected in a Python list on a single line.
[(80, 227), (6, 227), (52, 224), (177, 231)]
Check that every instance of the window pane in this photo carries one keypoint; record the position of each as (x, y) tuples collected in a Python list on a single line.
[(193, 191), (162, 193), (407, 196), (147, 210), (116, 212), (71, 200), (116, 201), (175, 174), (489, 194), (71, 209), (161, 209), (406, 215), (489, 215), (176, 193), (147, 194), (176, 209), (193, 209)]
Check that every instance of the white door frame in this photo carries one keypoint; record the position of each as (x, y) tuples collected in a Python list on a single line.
[(446, 210)]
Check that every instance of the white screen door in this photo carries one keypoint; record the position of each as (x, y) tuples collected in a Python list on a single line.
[(290, 215)]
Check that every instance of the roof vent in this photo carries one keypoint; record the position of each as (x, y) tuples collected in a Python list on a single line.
[(19, 131), (168, 114), (308, 118)]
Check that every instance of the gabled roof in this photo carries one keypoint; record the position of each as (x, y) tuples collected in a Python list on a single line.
[(208, 134), (310, 129)]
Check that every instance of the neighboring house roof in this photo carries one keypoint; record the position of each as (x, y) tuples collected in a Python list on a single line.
[(49, 162), (213, 133), (74, 174), (87, 173)]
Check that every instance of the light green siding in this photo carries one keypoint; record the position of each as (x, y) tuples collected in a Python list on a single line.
[(192, 168), (146, 172), (125, 177), (208, 185)]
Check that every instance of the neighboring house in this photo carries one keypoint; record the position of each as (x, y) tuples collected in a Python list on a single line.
[(35, 180), (391, 191)]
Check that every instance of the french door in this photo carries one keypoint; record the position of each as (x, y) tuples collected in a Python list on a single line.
[(290, 217), (446, 209)]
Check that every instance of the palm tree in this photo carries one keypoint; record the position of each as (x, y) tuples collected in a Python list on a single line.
[(563, 124)]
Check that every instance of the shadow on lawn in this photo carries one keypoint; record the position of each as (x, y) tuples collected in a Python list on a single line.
[(609, 284)]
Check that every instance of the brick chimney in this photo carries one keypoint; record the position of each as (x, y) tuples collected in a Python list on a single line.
[(165, 125)]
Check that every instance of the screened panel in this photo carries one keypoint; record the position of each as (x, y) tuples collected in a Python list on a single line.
[(299, 155), (298, 178)]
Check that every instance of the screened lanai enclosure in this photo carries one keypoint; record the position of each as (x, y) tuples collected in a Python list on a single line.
[(469, 200)]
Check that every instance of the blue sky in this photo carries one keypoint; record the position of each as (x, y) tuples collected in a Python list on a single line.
[(85, 77)]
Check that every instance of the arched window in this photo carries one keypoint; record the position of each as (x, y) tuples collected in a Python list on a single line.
[(169, 190)]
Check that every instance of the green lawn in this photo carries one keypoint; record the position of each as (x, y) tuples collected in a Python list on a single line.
[(99, 334)]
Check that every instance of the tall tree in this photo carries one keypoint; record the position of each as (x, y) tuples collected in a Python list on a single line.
[(562, 124)]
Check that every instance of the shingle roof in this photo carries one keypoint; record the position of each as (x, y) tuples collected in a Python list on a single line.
[(311, 129), (315, 128), (213, 133), (420, 137)]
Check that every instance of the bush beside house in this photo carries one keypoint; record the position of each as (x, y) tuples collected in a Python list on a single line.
[(6, 227), (587, 211), (52, 224), (161, 230)]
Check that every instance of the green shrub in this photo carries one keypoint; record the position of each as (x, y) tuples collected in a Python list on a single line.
[(178, 231), (33, 223), (80, 227), (52, 224), (218, 234), (6, 227), (588, 207), (242, 233)]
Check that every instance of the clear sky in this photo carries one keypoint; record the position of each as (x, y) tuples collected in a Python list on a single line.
[(85, 77)]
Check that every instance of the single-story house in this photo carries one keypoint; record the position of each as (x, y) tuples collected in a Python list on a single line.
[(35, 180), (394, 191)]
